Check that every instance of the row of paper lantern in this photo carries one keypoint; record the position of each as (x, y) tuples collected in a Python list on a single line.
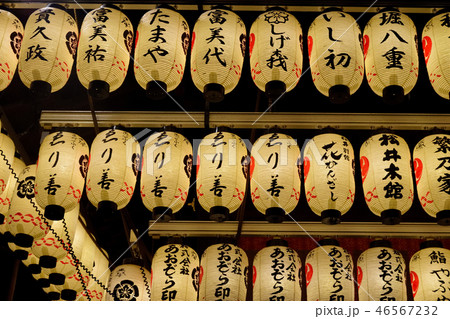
[(339, 54)]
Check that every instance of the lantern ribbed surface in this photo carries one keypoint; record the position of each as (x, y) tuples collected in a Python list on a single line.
[(5, 197), (129, 282), (7, 149)]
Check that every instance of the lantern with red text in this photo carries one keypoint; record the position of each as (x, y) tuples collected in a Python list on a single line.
[(162, 42), (274, 173), (106, 40), (217, 53), (48, 50), (112, 171), (129, 282), (5, 198), (221, 174), (335, 55), (223, 273), (11, 36), (329, 172), (60, 173), (7, 150), (387, 177), (177, 265), (166, 173)]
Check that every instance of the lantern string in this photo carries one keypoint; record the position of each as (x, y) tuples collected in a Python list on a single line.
[(147, 286), (94, 116)]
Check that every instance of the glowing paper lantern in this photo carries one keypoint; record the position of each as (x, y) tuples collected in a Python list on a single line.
[(129, 282), (381, 273), (277, 274), (5, 197), (430, 272), (101, 272), (223, 273), (52, 292), (162, 42), (217, 53), (274, 173), (386, 175), (60, 173), (166, 173), (335, 55), (391, 57), (11, 36), (221, 174), (276, 51), (48, 50), (329, 170), (175, 274), (7, 150), (113, 167), (106, 40)]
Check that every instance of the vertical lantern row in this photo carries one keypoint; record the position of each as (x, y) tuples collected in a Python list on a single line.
[(129, 282)]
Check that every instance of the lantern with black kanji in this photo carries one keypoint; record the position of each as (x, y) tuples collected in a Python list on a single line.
[(390, 53), (277, 273), (106, 41), (5, 198), (175, 274), (217, 52), (112, 171), (48, 50), (381, 273), (274, 173), (162, 43), (329, 173), (335, 55), (60, 173), (223, 273), (7, 150), (387, 176), (11, 35), (166, 173), (329, 273), (429, 271), (276, 51), (221, 174)]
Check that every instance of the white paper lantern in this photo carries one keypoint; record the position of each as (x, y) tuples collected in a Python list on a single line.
[(381, 274), (11, 36), (106, 40), (113, 167), (223, 273), (274, 173), (32, 263), (335, 55), (166, 173), (387, 177), (5, 198), (48, 49), (277, 274), (60, 173), (391, 57), (7, 150), (129, 282), (217, 53), (329, 172), (102, 273), (221, 174), (329, 274), (162, 42), (175, 274)]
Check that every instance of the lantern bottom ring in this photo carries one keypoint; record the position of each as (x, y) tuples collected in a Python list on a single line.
[(2, 219), (40, 89), (214, 92), (57, 278), (47, 261), (275, 215), (43, 282), (156, 90), (106, 208), (23, 240), (53, 295), (274, 89), (98, 89), (219, 213), (162, 214), (391, 217), (54, 212), (339, 94), (393, 94), (331, 217), (34, 269), (21, 254), (443, 218), (68, 294)]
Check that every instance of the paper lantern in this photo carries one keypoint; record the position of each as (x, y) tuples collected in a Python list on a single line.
[(274, 173), (335, 55), (101, 272), (430, 272), (277, 274), (48, 50), (329, 273), (113, 167), (52, 292), (129, 282), (391, 57), (11, 36), (276, 52), (166, 173), (435, 45), (175, 274), (223, 273), (221, 174), (381, 273), (5, 198), (32, 262), (217, 53), (386, 175), (106, 40), (7, 150), (162, 42), (329, 172), (60, 173)]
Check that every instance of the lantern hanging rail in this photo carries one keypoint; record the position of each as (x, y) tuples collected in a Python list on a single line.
[(247, 120)]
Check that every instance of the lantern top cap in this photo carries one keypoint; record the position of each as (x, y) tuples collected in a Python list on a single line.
[(380, 243), (439, 12), (431, 244), (166, 6), (56, 6), (133, 261), (328, 242), (277, 242), (110, 5), (220, 7)]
